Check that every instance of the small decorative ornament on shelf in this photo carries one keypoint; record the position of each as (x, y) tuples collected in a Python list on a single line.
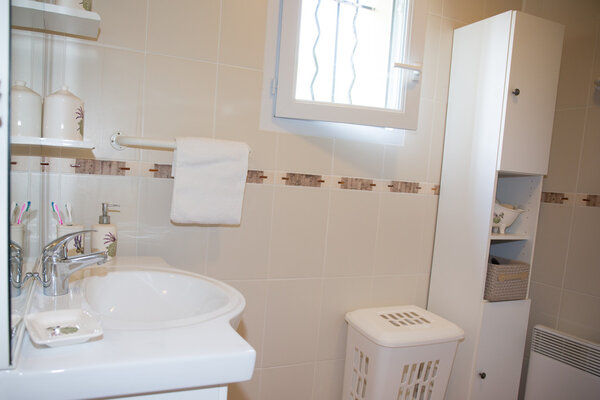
[(504, 216)]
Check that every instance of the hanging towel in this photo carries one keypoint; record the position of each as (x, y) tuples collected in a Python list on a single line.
[(210, 177)]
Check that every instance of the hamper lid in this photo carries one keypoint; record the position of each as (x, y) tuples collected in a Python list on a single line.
[(403, 326)]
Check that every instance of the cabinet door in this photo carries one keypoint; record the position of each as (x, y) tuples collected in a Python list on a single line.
[(530, 94), (500, 350)]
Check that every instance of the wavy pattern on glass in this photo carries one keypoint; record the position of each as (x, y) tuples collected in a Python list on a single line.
[(312, 83)]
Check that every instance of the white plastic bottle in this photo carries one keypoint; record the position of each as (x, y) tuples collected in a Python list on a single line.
[(105, 237)]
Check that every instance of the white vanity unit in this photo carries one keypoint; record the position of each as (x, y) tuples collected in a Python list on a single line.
[(164, 333), (503, 84)]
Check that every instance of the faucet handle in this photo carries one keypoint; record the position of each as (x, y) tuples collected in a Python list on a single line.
[(60, 243)]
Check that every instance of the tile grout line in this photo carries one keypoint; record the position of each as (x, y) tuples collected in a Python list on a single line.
[(215, 100), (565, 265)]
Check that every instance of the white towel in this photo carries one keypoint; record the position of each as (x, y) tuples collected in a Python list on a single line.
[(210, 177)]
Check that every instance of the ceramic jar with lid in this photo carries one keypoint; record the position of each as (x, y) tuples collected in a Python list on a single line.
[(25, 111), (63, 116)]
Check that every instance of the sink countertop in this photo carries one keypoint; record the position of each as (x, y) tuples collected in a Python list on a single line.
[(123, 362)]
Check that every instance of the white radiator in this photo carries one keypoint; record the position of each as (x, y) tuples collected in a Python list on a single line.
[(562, 367)]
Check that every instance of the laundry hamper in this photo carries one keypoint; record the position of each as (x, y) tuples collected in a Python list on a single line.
[(398, 353)]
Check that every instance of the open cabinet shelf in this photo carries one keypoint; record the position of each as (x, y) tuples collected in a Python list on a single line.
[(50, 142), (51, 18), (509, 236)]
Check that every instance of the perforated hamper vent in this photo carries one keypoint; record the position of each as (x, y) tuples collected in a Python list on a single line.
[(406, 318)]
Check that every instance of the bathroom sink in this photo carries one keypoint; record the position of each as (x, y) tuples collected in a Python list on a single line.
[(167, 330), (142, 297)]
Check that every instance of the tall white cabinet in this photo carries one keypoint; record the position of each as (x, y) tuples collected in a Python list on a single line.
[(503, 84)]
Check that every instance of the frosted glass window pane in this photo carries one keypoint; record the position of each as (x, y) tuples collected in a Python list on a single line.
[(347, 49)]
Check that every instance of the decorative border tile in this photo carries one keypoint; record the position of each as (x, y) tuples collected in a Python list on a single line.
[(100, 167), (404, 187), (254, 176), (578, 199), (554, 197), (592, 200), (164, 171), (308, 180), (356, 183)]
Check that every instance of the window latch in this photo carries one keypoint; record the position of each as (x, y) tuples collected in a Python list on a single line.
[(415, 68)]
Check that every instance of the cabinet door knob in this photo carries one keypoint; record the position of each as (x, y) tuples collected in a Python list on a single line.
[(482, 375), (516, 92)]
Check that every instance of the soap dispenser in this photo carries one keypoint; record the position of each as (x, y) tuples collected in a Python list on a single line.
[(104, 236)]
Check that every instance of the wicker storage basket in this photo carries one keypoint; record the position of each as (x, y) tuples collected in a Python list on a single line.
[(507, 280)]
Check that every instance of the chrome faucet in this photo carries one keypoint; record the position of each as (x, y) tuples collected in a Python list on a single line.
[(57, 267), (16, 269)]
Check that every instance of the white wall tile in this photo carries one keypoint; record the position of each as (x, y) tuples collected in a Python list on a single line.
[(292, 319), (304, 154), (241, 252), (445, 55), (121, 102), (495, 7), (290, 383), (589, 173), (340, 295), (579, 315), (351, 233), (430, 55), (180, 245), (243, 26), (551, 244), (436, 150), (583, 274), (298, 233), (123, 23), (405, 234), (545, 304), (237, 114), (565, 150), (357, 159), (27, 59), (179, 101), (252, 325), (395, 290), (187, 28), (329, 376), (464, 10), (409, 162), (248, 390)]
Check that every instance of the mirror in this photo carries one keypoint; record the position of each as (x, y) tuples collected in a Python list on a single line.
[(25, 183), (41, 66)]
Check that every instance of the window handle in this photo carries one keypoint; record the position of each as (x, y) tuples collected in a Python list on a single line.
[(412, 67)]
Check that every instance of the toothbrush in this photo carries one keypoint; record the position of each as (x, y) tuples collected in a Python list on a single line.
[(57, 211), (14, 207), (23, 207), (68, 213)]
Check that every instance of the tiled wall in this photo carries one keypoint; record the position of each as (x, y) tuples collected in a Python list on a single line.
[(303, 255), (329, 225), (565, 287)]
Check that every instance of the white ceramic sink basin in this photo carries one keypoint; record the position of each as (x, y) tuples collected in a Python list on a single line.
[(158, 297), (170, 332)]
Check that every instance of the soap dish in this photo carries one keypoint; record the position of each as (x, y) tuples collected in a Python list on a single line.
[(62, 327)]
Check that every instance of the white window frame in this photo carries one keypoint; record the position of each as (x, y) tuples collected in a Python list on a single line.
[(286, 106)]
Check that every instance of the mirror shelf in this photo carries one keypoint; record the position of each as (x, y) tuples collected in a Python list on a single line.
[(50, 142), (51, 18)]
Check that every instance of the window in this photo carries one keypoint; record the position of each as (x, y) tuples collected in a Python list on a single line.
[(351, 61)]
